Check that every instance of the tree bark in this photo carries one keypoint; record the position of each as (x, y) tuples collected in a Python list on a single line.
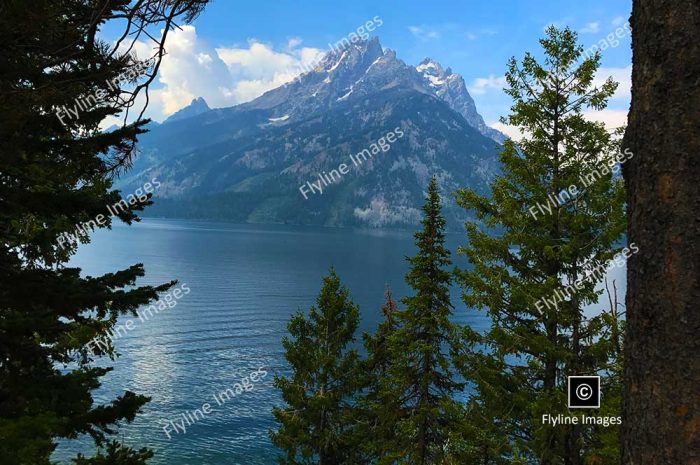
[(661, 408)]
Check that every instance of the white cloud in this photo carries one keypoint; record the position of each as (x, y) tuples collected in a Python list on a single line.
[(259, 68), (611, 118), (258, 60), (294, 42), (559, 23), (204, 59), (618, 21), (190, 69), (591, 28), (473, 35), (481, 85), (510, 131), (423, 33), (223, 76), (621, 75)]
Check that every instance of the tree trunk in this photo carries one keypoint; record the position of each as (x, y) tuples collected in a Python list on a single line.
[(661, 410)]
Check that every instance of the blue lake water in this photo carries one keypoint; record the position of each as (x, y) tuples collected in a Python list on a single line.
[(244, 282)]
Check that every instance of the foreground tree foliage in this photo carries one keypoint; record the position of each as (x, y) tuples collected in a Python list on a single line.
[(539, 258), (56, 173), (378, 409), (421, 375), (529, 246), (661, 415), (398, 404), (316, 425)]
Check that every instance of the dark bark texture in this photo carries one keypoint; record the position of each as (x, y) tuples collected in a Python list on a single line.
[(661, 409)]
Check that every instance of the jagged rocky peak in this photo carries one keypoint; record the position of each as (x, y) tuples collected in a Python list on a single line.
[(389, 54), (199, 103), (196, 107), (430, 67), (247, 162), (360, 53), (451, 88), (362, 68), (437, 76)]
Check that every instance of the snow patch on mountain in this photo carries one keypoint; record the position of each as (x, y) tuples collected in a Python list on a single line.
[(281, 118)]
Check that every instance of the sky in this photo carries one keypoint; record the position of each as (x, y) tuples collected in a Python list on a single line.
[(235, 51)]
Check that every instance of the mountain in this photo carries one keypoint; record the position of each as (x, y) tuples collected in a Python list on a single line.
[(353, 142), (450, 87), (196, 107)]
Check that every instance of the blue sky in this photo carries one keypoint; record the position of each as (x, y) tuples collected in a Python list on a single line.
[(236, 50)]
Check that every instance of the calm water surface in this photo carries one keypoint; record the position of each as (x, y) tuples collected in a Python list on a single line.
[(245, 281)]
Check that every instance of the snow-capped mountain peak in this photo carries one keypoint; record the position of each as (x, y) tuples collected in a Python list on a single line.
[(430, 67), (451, 88), (350, 56), (434, 73), (364, 68), (248, 162)]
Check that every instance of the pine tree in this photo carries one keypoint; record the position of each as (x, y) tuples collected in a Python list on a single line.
[(421, 374), (316, 423), (377, 344), (55, 173), (539, 247), (377, 407)]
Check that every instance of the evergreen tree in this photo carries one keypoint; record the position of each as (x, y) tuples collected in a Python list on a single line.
[(421, 374), (377, 408), (55, 173), (539, 247), (316, 424), (377, 344)]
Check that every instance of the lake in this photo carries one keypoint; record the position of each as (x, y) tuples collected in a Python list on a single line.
[(244, 282)]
